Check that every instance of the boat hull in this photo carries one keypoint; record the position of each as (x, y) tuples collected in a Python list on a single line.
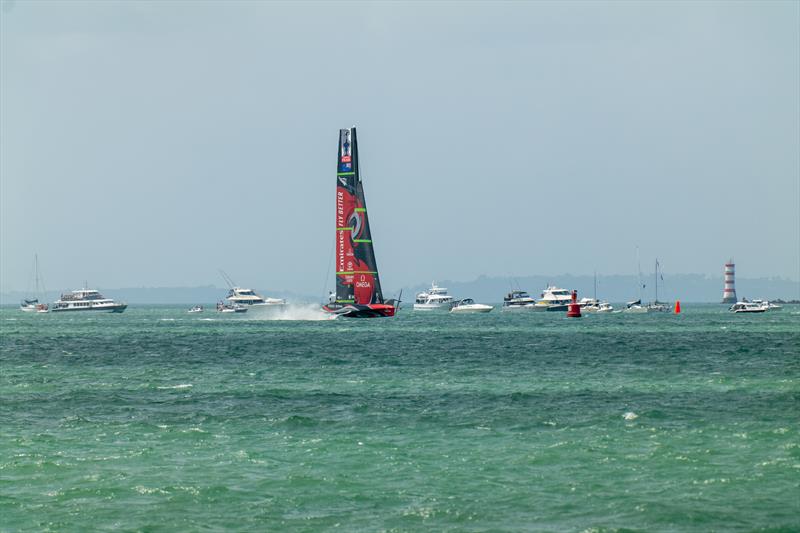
[(361, 310), (519, 307), (476, 308), (117, 308)]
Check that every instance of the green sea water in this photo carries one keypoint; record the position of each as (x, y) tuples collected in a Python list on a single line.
[(158, 420)]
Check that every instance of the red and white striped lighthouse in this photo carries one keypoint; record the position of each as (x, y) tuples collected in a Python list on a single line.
[(729, 292)]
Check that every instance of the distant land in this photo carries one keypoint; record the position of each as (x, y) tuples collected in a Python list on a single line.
[(614, 288)]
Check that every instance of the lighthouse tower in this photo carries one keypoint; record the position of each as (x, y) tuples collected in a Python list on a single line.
[(729, 293)]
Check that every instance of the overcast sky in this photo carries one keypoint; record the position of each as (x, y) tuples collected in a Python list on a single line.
[(152, 143)]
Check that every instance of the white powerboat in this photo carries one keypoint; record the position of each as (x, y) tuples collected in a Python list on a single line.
[(87, 300), (468, 305), (238, 295), (553, 299), (518, 300), (748, 307), (231, 308), (196, 309), (434, 298)]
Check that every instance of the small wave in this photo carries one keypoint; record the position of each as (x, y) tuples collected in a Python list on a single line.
[(630, 415), (306, 312), (179, 386), (167, 319), (144, 490)]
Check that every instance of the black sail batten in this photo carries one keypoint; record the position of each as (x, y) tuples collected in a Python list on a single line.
[(357, 279)]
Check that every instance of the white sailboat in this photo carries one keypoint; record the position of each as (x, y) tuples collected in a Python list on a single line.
[(636, 305), (32, 305), (656, 306), (593, 305)]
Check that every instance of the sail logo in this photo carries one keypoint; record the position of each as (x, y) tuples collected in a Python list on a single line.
[(345, 145), (346, 159)]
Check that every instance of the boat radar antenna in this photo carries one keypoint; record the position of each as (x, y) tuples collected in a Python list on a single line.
[(227, 279)]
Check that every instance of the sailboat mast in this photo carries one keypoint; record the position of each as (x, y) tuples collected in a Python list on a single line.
[(656, 280)]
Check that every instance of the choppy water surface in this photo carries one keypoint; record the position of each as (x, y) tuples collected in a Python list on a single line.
[(160, 420)]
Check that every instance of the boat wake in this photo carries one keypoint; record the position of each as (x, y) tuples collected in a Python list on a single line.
[(293, 312)]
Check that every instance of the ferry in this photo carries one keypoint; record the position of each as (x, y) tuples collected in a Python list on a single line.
[(87, 300)]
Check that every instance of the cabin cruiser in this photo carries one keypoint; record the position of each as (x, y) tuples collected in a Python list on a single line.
[(593, 305), (468, 305), (634, 307), (87, 300), (196, 309), (231, 308), (238, 295), (518, 300), (554, 299), (434, 298), (748, 307)]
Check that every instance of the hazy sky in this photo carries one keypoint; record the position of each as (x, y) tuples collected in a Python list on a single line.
[(151, 143)]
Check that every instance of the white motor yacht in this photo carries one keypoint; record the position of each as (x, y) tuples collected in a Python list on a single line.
[(748, 307), (434, 298), (553, 299), (87, 300), (238, 295), (518, 300), (196, 309), (468, 305)]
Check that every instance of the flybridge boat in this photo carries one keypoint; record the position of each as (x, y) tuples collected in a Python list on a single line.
[(87, 300), (358, 287), (238, 295), (518, 300), (434, 298), (247, 297), (554, 299)]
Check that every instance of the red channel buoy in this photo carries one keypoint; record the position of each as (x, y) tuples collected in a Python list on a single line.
[(573, 309), (677, 307)]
